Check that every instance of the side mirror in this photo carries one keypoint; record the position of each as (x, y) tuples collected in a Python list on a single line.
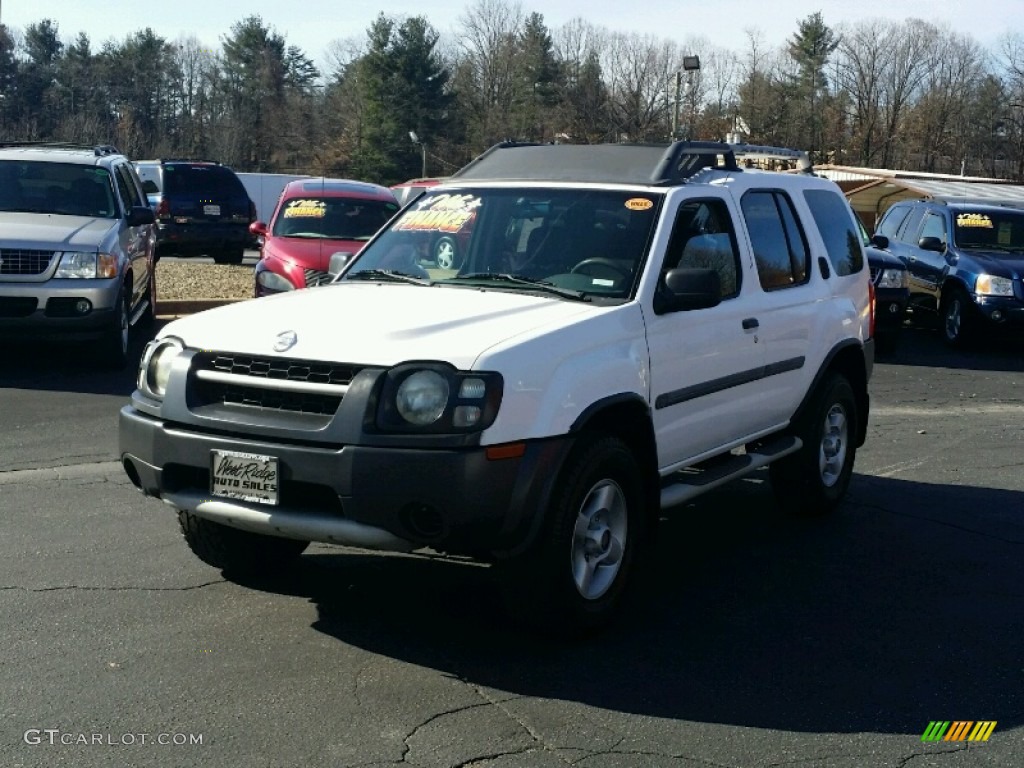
[(338, 262), (931, 244), (685, 289), (141, 214), (258, 228), (880, 241)]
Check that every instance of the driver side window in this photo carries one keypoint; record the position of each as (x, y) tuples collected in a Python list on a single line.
[(704, 237)]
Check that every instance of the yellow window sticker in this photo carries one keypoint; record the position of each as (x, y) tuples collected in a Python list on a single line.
[(976, 220), (442, 213), (639, 204), (305, 208)]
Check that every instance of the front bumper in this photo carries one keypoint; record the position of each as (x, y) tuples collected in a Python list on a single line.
[(455, 500), (1001, 310), (891, 307), (46, 309)]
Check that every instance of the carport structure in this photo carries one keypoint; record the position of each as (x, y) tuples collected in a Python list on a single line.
[(872, 190)]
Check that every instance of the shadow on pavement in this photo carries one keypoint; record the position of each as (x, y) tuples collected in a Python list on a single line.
[(878, 619), (70, 367)]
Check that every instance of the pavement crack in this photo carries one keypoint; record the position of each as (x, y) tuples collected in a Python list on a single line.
[(944, 523), (79, 588), (473, 761), (436, 716), (929, 752)]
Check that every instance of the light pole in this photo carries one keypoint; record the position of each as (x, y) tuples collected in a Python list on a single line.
[(423, 153), (691, 64)]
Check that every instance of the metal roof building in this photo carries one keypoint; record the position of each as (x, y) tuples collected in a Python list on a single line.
[(872, 190)]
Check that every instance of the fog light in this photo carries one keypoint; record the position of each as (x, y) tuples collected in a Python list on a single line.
[(466, 415), (997, 315), (82, 306)]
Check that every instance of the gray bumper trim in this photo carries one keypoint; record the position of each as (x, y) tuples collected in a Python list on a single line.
[(289, 523)]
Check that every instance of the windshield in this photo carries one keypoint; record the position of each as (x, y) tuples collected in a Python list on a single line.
[(70, 189), (581, 242), (332, 218), (989, 230)]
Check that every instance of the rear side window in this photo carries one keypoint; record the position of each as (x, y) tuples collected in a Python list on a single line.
[(780, 248), (205, 179), (890, 223), (838, 230)]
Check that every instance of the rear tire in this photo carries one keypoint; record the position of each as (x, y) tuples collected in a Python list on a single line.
[(573, 576), (814, 480), (229, 256), (238, 552)]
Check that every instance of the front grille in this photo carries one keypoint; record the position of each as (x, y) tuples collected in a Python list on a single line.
[(17, 306), (19, 261), (246, 380), (315, 277)]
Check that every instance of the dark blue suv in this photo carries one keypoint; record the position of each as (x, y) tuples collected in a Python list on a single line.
[(965, 260)]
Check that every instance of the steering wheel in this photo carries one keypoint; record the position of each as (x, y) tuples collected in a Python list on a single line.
[(601, 267)]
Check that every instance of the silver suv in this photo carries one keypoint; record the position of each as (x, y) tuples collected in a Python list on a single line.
[(76, 246)]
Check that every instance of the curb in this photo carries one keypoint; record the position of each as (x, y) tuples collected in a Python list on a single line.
[(181, 307)]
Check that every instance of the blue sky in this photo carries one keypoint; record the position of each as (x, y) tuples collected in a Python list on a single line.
[(314, 24)]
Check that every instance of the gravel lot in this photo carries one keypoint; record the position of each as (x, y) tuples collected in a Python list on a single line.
[(178, 280)]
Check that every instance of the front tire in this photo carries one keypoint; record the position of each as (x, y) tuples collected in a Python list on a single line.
[(958, 321), (237, 552), (814, 480), (113, 346), (574, 575), (446, 253)]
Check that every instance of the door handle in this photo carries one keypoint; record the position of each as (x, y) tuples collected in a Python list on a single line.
[(750, 323)]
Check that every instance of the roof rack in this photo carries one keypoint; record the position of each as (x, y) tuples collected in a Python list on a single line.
[(767, 154), (186, 160), (666, 164), (99, 150)]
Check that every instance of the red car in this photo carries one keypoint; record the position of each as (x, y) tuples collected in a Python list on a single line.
[(313, 220)]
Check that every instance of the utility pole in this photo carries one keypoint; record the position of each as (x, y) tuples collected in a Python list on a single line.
[(675, 108)]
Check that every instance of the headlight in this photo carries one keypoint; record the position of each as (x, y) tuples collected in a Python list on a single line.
[(155, 369), (990, 285), (434, 398), (422, 398), (893, 278), (273, 281), (79, 264)]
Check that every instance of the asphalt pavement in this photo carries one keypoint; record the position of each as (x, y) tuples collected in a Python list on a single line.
[(753, 639)]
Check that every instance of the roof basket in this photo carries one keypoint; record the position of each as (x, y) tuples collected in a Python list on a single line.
[(97, 149), (606, 163)]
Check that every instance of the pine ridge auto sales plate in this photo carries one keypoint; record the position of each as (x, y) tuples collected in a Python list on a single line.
[(244, 476)]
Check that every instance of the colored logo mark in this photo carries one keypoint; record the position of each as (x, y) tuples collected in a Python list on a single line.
[(959, 730)]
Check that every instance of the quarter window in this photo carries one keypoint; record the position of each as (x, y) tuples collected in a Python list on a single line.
[(780, 248), (838, 230)]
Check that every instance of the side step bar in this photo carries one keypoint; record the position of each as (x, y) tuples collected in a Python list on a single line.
[(686, 484)]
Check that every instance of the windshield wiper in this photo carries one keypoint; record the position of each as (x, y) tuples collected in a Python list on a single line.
[(388, 274), (540, 285)]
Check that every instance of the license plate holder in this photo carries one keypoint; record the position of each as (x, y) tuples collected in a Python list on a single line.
[(244, 476)]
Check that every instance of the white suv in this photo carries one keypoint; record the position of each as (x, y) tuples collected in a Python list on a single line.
[(630, 326)]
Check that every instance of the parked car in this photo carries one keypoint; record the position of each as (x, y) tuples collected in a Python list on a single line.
[(890, 277), (76, 246), (965, 262), (202, 208), (409, 190), (671, 322), (314, 220), (445, 250)]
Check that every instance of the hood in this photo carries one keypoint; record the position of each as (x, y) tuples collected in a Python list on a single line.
[(309, 253), (376, 324), (880, 259), (998, 263), (52, 231)]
